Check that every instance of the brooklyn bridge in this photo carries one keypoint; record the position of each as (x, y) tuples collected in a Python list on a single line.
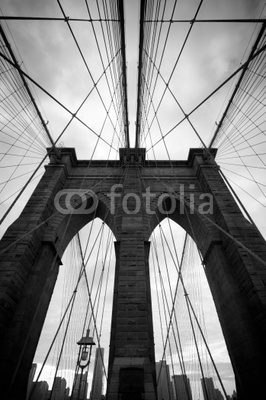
[(133, 253)]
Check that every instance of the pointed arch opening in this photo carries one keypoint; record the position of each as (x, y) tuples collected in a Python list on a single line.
[(82, 299), (179, 289)]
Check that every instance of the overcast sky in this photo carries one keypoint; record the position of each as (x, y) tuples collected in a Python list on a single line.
[(213, 52)]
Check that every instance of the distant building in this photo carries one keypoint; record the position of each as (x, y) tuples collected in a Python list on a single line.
[(67, 393), (31, 377), (218, 395), (181, 387), (59, 389), (233, 397), (80, 388), (164, 383), (207, 384), (97, 380), (40, 391)]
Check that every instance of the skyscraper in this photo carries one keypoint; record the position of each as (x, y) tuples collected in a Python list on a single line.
[(218, 395), (182, 388), (207, 384), (40, 391), (97, 380), (59, 389), (31, 377), (164, 384), (80, 387)]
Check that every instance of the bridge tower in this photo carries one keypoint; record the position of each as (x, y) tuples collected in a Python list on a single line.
[(233, 251)]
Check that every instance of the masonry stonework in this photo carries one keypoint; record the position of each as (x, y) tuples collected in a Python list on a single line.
[(36, 241)]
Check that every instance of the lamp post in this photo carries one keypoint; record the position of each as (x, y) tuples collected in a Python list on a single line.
[(84, 357)]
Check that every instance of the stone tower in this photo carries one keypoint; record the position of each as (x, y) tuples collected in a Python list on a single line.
[(133, 195)]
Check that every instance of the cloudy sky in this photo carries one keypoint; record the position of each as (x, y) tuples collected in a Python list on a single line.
[(213, 52)]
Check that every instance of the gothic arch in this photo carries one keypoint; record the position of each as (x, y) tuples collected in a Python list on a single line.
[(30, 268), (228, 279), (192, 223), (64, 227)]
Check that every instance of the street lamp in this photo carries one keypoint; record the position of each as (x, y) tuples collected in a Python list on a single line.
[(85, 343)]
